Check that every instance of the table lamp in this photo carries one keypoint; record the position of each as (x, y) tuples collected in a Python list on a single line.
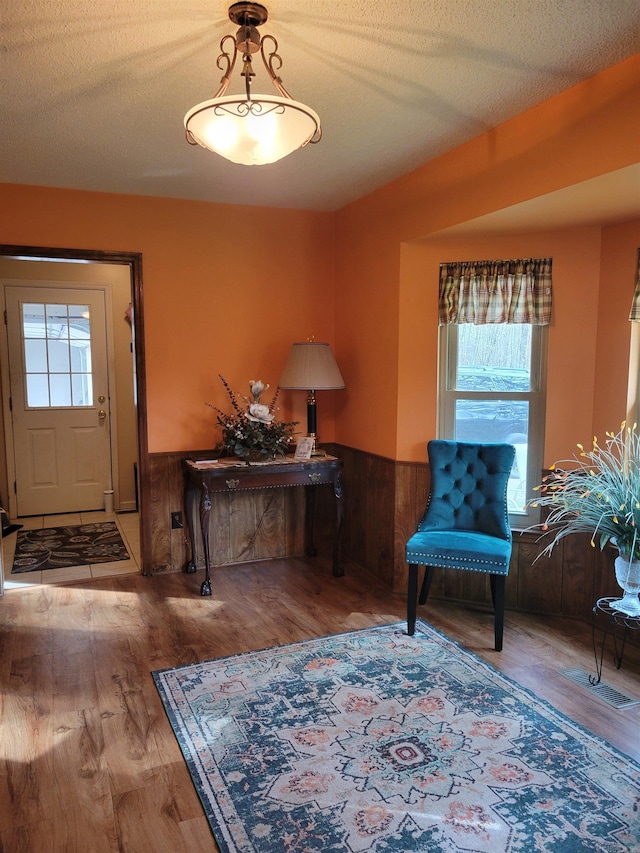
[(311, 367)]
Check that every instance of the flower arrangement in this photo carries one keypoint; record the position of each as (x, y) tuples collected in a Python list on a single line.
[(251, 431), (599, 496)]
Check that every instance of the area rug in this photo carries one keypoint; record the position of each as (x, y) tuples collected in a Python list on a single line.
[(376, 741), (74, 545)]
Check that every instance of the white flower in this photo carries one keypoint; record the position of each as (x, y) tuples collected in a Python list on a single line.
[(260, 413), (257, 387)]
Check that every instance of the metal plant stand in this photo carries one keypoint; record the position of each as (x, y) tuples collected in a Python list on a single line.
[(617, 623)]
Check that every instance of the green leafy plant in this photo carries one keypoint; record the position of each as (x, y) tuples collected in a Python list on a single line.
[(251, 432), (598, 495)]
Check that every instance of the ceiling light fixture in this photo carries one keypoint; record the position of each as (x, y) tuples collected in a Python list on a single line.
[(251, 129)]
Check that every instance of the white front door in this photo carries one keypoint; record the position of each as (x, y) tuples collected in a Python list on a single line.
[(59, 398)]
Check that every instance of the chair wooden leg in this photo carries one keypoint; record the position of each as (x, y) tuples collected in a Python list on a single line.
[(497, 583), (412, 598), (426, 584)]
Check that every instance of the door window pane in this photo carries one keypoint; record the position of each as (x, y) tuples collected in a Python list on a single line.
[(35, 356), (57, 321), (33, 321), (81, 356), (79, 322), (37, 389), (60, 389), (58, 356), (82, 389)]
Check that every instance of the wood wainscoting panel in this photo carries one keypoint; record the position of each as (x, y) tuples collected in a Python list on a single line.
[(269, 524), (243, 526), (466, 586), (577, 571), (411, 495), (354, 533), (160, 491), (370, 493), (241, 519), (539, 581), (378, 490), (380, 517), (384, 500), (180, 549), (511, 584), (293, 514)]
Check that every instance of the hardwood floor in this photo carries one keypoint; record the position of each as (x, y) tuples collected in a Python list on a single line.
[(89, 763)]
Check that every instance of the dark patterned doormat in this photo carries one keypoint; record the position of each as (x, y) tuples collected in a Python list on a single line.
[(376, 741), (72, 545)]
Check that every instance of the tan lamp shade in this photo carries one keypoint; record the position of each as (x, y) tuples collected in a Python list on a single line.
[(311, 366)]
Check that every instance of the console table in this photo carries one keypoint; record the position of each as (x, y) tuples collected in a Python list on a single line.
[(207, 477)]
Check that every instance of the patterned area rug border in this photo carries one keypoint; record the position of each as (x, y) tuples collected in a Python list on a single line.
[(68, 545), (375, 741)]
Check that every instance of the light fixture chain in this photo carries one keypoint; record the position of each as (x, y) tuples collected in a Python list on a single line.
[(247, 73)]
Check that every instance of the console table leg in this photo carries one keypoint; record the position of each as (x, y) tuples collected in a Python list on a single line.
[(205, 512), (189, 501), (309, 516), (338, 568)]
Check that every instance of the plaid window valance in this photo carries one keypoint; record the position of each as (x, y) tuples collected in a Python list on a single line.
[(634, 314), (482, 292)]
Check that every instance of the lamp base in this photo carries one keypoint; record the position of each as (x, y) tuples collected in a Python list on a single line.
[(315, 450), (314, 447)]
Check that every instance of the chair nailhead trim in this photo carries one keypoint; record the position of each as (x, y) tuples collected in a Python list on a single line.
[(451, 561)]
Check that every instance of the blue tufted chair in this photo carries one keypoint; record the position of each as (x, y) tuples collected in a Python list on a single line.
[(466, 523)]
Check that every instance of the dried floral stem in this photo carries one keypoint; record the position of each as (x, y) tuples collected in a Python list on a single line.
[(232, 396)]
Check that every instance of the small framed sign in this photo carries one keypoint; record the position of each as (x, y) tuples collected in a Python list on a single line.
[(304, 447)]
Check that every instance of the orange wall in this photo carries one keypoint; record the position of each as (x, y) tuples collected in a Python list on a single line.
[(618, 272), (386, 294), (572, 335), (227, 289)]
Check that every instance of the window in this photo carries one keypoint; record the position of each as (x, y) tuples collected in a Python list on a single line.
[(57, 355), (492, 389), (492, 375)]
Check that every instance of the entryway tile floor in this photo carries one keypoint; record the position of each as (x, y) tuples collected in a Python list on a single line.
[(128, 524)]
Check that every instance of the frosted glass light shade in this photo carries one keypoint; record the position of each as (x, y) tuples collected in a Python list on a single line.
[(311, 366), (252, 133)]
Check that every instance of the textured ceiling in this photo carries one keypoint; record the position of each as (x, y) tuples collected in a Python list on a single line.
[(93, 94)]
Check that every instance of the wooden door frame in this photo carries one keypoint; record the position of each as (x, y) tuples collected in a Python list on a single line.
[(134, 261)]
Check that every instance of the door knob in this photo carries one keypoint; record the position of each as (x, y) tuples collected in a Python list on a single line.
[(102, 414), (101, 398)]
